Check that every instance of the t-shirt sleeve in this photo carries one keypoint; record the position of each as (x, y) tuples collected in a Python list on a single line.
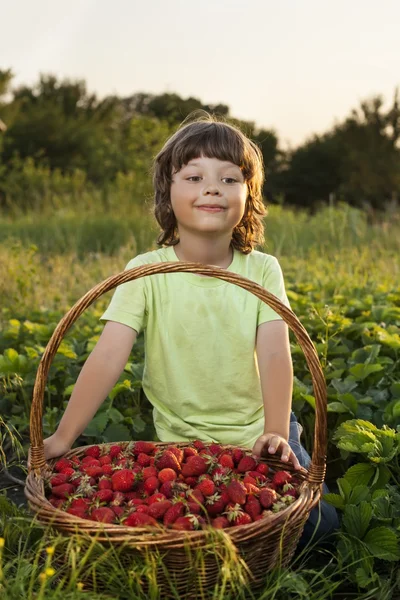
[(129, 302), (273, 282)]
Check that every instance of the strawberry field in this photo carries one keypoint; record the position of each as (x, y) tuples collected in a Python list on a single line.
[(342, 277)]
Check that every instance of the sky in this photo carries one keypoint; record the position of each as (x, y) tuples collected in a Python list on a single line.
[(295, 66)]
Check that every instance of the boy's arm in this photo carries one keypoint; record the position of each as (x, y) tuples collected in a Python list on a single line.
[(276, 377), (96, 379)]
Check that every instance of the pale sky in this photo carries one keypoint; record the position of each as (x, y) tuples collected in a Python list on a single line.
[(295, 66)]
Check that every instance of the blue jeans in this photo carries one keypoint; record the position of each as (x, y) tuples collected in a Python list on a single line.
[(323, 519)]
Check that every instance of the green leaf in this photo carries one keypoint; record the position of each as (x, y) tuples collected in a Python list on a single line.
[(116, 432), (310, 399), (361, 370), (138, 424), (334, 499), (344, 488), (344, 387), (337, 407), (97, 425), (349, 401), (114, 415), (119, 388), (356, 519), (358, 494), (360, 473), (382, 543)]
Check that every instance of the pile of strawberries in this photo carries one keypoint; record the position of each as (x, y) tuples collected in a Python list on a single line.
[(140, 485)]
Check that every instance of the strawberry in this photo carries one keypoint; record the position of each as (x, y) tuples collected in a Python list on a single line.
[(80, 503), (289, 490), (253, 507), (262, 468), (216, 503), (56, 502), (156, 498), (115, 451), (105, 483), (93, 451), (180, 455), (63, 491), (195, 466), (215, 449), (104, 495), (158, 509), (90, 460), (268, 497), (149, 472), (259, 477), (190, 481), (59, 479), (167, 460), (167, 489), (194, 508), (220, 522), (281, 477), (206, 486), (62, 463), (198, 444), (139, 519), (143, 459), (251, 489), (236, 516), (237, 492), (143, 508), (76, 461), (78, 512), (151, 485), (189, 451), (249, 479), (118, 499), (105, 460), (226, 460), (123, 480), (93, 471), (186, 523), (173, 513), (247, 463), (166, 475), (237, 455), (144, 448), (69, 471), (118, 510), (103, 514)]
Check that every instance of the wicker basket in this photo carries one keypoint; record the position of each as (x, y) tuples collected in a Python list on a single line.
[(263, 544)]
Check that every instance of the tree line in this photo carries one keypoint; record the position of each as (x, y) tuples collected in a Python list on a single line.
[(61, 127)]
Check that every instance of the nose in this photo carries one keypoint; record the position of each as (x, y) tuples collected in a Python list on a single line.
[(212, 189)]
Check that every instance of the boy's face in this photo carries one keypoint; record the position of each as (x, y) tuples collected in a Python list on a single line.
[(208, 196)]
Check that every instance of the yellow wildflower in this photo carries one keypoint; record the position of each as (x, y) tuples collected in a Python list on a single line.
[(79, 585), (50, 550), (49, 571), (2, 542)]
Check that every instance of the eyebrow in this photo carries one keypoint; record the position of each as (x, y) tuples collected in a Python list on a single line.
[(227, 165)]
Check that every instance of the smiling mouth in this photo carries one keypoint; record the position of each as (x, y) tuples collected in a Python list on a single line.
[(211, 207)]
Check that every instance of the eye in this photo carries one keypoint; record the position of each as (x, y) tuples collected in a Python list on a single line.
[(231, 179), (193, 177)]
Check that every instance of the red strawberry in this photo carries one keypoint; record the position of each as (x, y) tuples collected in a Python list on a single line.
[(139, 519), (290, 490), (151, 485), (237, 455), (158, 509), (118, 510), (267, 497), (103, 514), (173, 513), (216, 503), (63, 490), (195, 495), (144, 448), (104, 495), (59, 479), (78, 512), (90, 460), (118, 499), (237, 492), (93, 451), (198, 444), (69, 471), (167, 475), (194, 508), (107, 469), (247, 463), (251, 489), (215, 448), (93, 471), (189, 451), (220, 522), (206, 486), (115, 451), (168, 460), (259, 477), (156, 498), (180, 455), (62, 463), (123, 480), (186, 523), (80, 503), (143, 459), (236, 516), (149, 472), (195, 466), (248, 479), (105, 460), (253, 507), (281, 477), (226, 460), (56, 502), (262, 468), (105, 483), (190, 481), (167, 489), (76, 461)]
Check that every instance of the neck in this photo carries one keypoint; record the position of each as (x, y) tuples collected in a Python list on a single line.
[(216, 252)]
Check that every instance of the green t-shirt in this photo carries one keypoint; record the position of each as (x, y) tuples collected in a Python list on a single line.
[(201, 373)]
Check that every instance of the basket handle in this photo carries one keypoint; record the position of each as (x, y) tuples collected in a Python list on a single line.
[(316, 471)]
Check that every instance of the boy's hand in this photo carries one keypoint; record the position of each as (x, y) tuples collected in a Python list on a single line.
[(270, 443)]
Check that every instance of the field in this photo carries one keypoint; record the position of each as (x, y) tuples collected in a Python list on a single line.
[(342, 273)]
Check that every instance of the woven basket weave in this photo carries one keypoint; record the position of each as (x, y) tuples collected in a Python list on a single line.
[(263, 544)]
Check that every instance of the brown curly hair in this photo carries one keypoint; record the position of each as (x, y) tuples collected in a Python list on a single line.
[(212, 138)]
